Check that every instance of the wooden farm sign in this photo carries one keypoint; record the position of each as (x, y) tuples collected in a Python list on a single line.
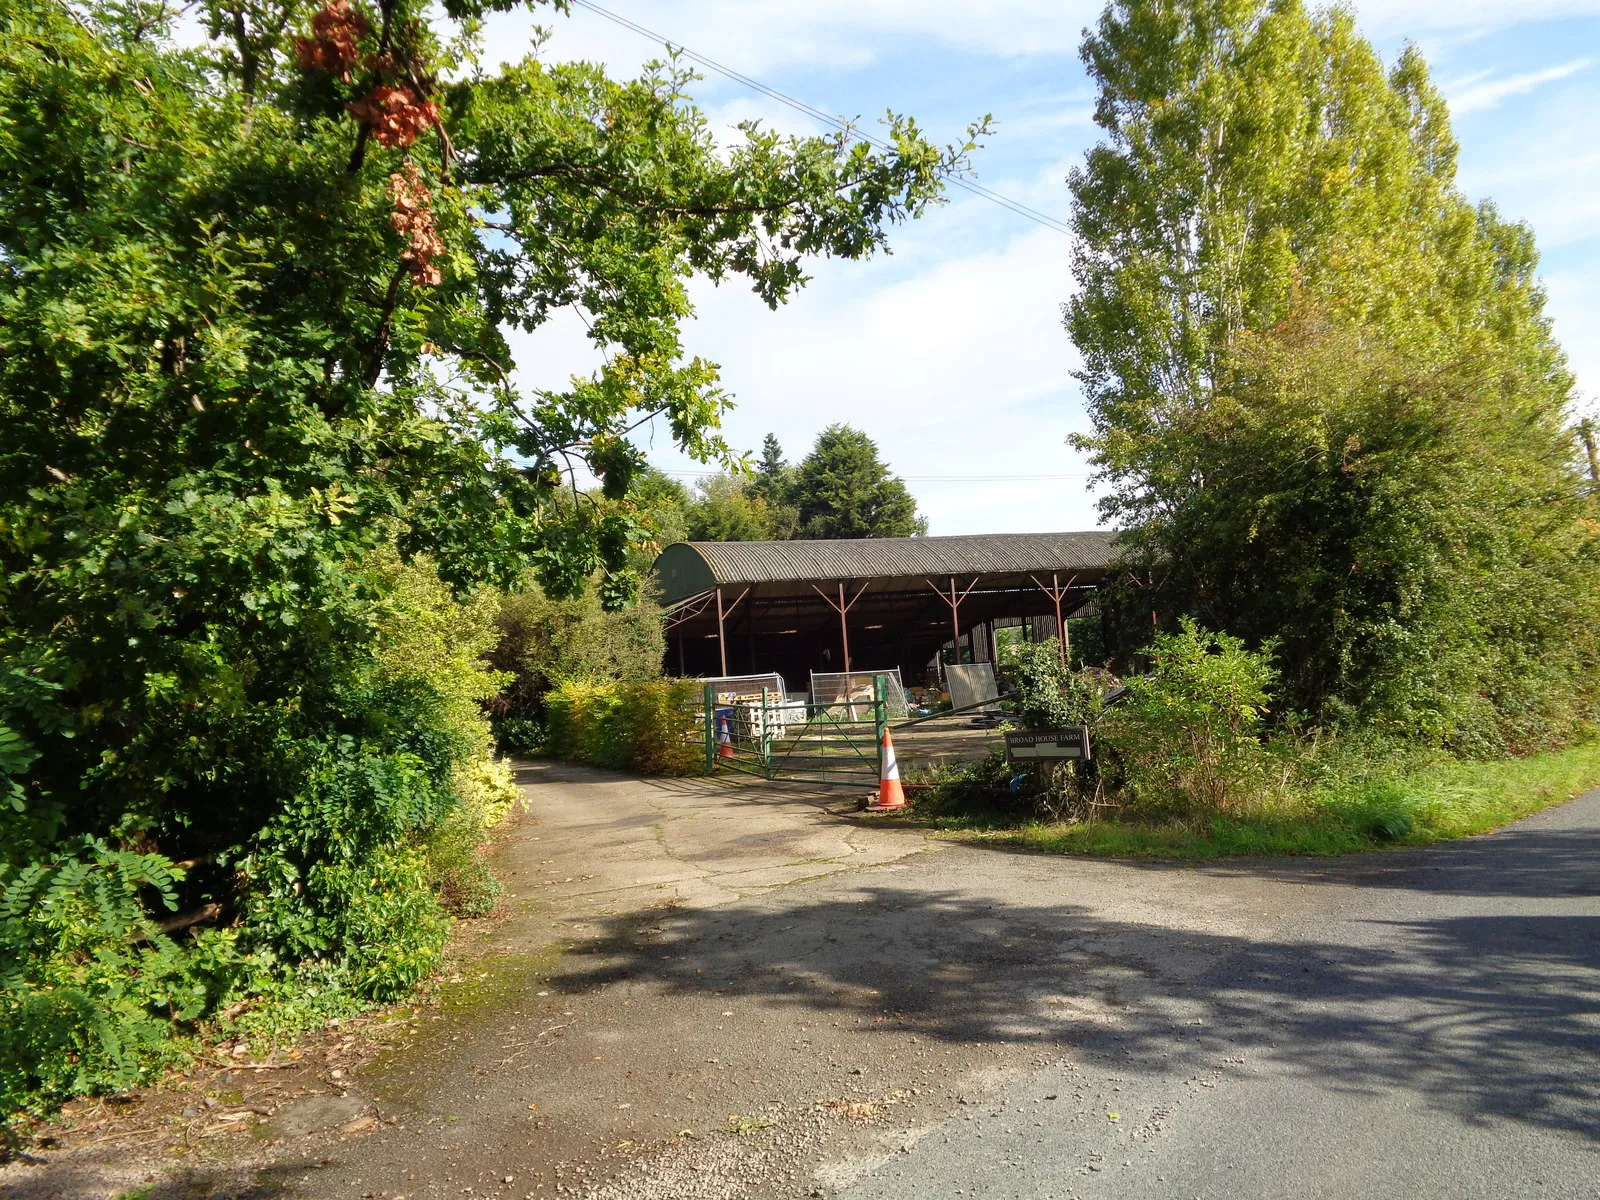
[(1071, 742)]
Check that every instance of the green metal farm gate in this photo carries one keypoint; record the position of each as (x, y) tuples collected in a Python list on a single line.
[(837, 742)]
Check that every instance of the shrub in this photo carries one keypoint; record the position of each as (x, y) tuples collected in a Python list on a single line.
[(1047, 694), (1188, 734), (87, 983), (334, 894), (456, 868), (1086, 642), (518, 734), (545, 643), (426, 633), (987, 791), (649, 728)]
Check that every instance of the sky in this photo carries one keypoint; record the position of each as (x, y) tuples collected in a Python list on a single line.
[(949, 352)]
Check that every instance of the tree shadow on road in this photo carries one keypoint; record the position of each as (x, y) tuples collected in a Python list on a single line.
[(1483, 1017), (1533, 858)]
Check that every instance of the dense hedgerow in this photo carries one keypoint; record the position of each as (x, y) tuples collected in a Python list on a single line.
[(652, 728), (341, 897), (1189, 763)]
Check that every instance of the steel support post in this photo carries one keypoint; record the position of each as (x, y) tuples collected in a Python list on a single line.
[(880, 709), (844, 628), (766, 736), (722, 640)]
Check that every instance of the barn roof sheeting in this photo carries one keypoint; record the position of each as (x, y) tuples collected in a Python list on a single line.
[(690, 568)]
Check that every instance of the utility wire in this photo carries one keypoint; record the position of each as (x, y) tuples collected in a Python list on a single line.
[(800, 106), (928, 478)]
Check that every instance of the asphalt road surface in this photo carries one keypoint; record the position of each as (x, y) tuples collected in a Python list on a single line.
[(703, 992), (1428, 1026)]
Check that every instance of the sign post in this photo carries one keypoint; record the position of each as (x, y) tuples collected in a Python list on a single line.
[(1040, 744)]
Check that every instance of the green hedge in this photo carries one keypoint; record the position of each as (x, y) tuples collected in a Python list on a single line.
[(648, 728)]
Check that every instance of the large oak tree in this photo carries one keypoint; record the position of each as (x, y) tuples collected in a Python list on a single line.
[(254, 303)]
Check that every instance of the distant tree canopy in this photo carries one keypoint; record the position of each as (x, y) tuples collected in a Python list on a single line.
[(843, 490), (774, 484), (719, 508), (840, 490), (727, 509), (545, 643), (1326, 404)]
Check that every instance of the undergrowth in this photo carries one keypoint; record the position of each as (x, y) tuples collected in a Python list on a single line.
[(1349, 803), (332, 893)]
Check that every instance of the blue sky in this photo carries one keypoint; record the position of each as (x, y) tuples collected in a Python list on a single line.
[(950, 351)]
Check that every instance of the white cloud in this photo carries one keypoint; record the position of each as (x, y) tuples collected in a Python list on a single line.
[(756, 36), (950, 353), (1411, 18), (1575, 307), (1482, 96), (551, 355), (1036, 124), (724, 118), (957, 365), (1559, 195), (763, 35)]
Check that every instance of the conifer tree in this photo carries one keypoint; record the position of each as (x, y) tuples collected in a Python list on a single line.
[(843, 490), (774, 483)]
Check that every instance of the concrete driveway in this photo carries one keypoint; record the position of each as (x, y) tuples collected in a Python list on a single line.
[(703, 991)]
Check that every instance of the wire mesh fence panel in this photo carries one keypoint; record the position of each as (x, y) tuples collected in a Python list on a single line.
[(741, 734), (746, 687), (830, 687)]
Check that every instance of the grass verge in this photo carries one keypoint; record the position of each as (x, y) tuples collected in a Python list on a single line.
[(1429, 803)]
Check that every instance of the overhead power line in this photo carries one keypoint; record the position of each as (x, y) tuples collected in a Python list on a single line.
[(800, 106), (994, 478), (932, 478)]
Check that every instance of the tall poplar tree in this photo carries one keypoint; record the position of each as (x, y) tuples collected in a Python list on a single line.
[(1325, 399)]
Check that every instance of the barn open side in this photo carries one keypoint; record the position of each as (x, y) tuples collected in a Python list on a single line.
[(868, 603)]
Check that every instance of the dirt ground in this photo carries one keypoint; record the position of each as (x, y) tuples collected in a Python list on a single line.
[(598, 870)]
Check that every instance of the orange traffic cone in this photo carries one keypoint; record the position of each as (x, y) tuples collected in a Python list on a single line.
[(891, 797), (724, 737)]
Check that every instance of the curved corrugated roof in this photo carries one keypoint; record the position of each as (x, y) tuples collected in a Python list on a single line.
[(687, 568)]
